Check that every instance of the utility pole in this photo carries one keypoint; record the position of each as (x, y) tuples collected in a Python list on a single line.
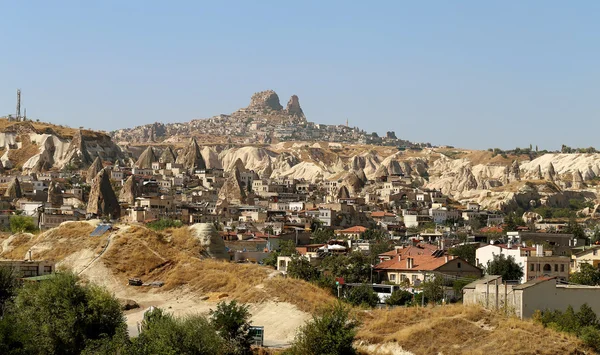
[(496, 282)]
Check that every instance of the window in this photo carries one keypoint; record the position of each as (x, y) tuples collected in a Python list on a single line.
[(555, 267), (392, 277), (562, 268), (414, 278), (458, 265), (531, 267), (47, 269)]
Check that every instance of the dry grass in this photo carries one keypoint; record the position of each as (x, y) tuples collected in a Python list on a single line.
[(457, 329), (174, 257), (43, 127), (21, 155), (56, 244)]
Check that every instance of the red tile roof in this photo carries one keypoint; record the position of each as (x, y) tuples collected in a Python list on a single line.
[(420, 263), (355, 229)]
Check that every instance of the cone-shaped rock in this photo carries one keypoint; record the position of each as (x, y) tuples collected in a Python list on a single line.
[(538, 173), (578, 180), (550, 173), (362, 176), (191, 158), (129, 191), (293, 107), (77, 154), (14, 190), (103, 201), (55, 197), (354, 183), (167, 156), (93, 170), (146, 159), (233, 189), (343, 193), (514, 172)]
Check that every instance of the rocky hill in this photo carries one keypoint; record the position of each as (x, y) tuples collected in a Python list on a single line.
[(264, 110), (35, 147)]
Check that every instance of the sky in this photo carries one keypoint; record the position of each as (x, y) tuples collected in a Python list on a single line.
[(472, 74)]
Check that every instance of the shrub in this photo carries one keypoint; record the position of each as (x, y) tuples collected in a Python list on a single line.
[(161, 333), (362, 295), (232, 322), (330, 333), (164, 224), (22, 224), (399, 298)]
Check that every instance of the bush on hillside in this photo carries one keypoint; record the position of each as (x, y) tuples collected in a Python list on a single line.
[(330, 333), (399, 298), (362, 295), (161, 333), (164, 224), (232, 322), (22, 224)]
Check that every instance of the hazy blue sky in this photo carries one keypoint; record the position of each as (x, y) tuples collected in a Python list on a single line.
[(474, 74)]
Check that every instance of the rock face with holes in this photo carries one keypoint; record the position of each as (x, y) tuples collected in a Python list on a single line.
[(209, 238)]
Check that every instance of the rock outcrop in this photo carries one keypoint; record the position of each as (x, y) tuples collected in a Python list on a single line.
[(13, 191), (265, 100), (146, 159), (354, 183), (77, 153), (343, 193), (129, 191), (93, 170), (578, 181), (514, 173), (55, 197), (191, 157), (293, 107), (210, 240), (550, 173), (103, 201), (233, 189), (168, 156)]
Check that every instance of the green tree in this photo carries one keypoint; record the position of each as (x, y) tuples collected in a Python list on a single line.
[(60, 316), (271, 259), (433, 290), (399, 298), (331, 332), (300, 268), (287, 248), (22, 224), (373, 234), (8, 286), (586, 316), (465, 252), (505, 267), (163, 224), (575, 228), (362, 295), (161, 333), (232, 322), (378, 248), (587, 275), (322, 236)]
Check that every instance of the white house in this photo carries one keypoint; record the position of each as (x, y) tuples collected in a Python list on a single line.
[(534, 261)]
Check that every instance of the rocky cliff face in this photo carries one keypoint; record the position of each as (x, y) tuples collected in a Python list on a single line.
[(265, 100), (146, 159), (191, 158), (293, 107), (36, 149)]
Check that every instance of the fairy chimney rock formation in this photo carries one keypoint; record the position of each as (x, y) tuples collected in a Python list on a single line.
[(578, 180), (129, 191), (13, 191), (102, 200), (93, 170), (191, 158), (167, 156), (293, 107), (146, 159), (55, 197)]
